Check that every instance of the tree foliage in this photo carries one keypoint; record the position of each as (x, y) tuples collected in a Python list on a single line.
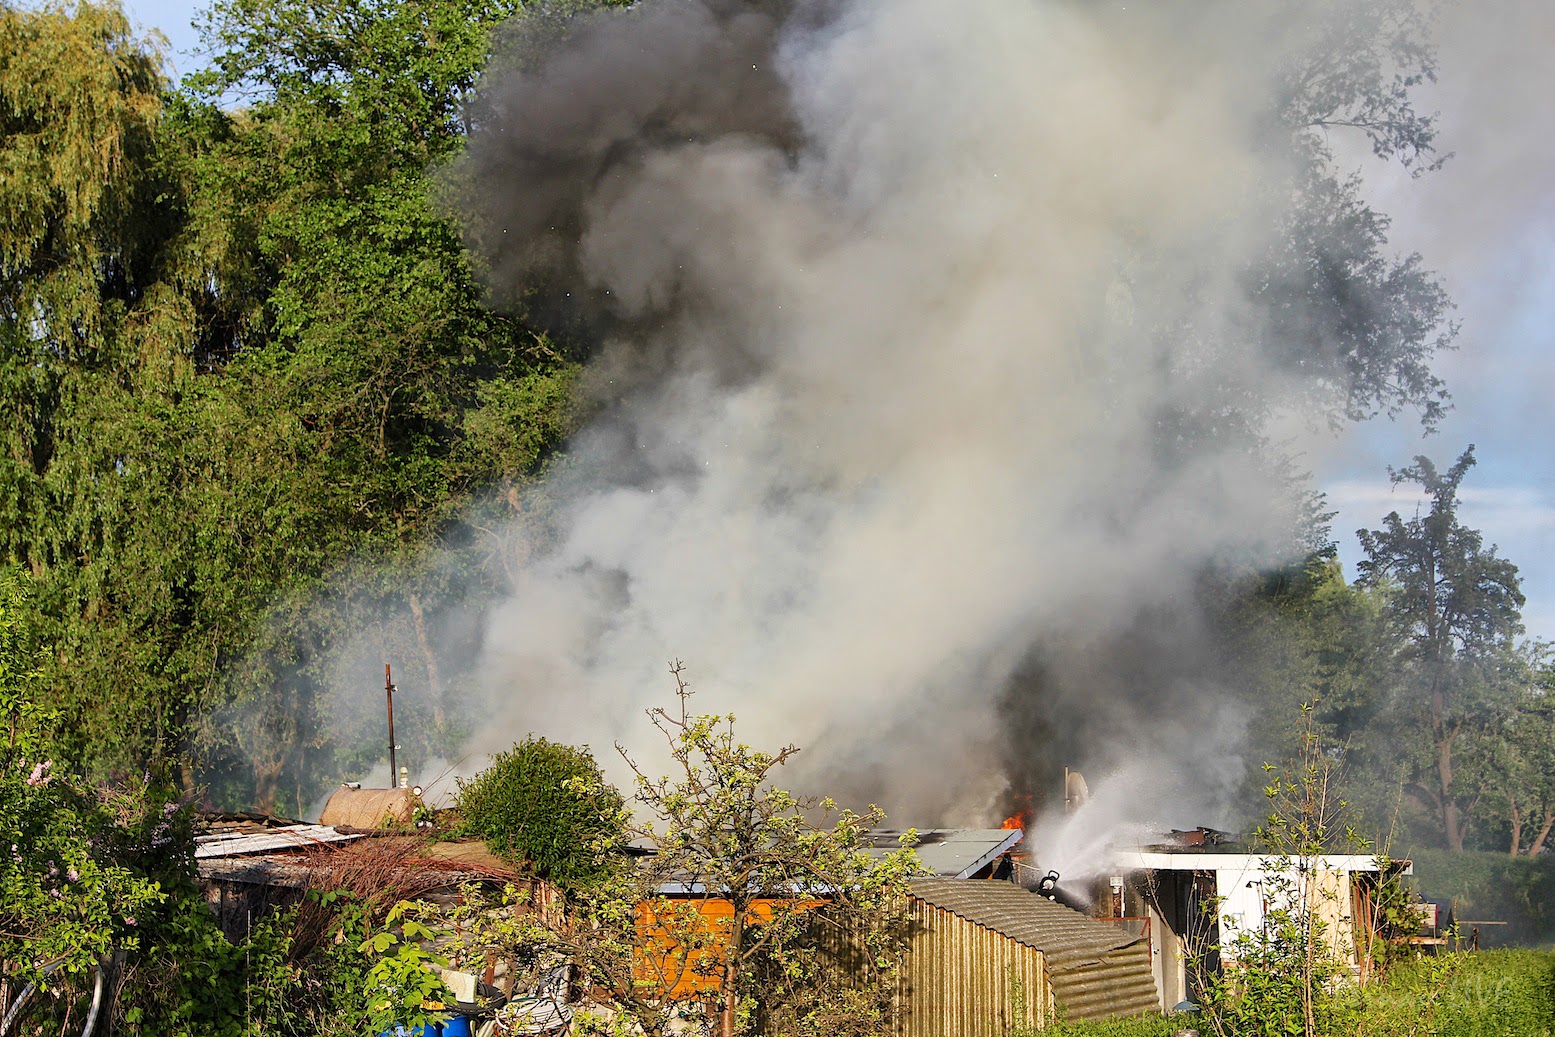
[(66, 907), (1516, 761), (794, 927), (1371, 322), (243, 350)]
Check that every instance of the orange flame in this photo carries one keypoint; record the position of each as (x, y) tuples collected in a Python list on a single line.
[(1021, 816)]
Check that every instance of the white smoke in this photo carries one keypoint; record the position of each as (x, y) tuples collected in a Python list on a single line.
[(886, 406)]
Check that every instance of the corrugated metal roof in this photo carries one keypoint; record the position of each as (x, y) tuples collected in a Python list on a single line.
[(1068, 938), (291, 837), (216, 822), (952, 853)]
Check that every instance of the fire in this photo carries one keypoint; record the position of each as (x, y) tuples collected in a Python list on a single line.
[(1021, 815)]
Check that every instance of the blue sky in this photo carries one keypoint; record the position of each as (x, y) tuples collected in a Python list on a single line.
[(1486, 222), (173, 20)]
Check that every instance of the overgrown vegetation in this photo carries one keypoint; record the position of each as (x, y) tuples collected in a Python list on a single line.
[(97, 885), (1490, 994), (744, 908)]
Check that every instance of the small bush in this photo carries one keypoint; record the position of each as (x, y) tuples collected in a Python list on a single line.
[(546, 806)]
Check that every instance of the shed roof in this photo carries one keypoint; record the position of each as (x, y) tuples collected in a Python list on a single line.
[(1066, 937), (952, 853), (290, 837)]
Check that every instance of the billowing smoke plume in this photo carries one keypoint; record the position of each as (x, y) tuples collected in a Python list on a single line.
[(930, 378)]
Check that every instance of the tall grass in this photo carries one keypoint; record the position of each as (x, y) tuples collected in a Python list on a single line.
[(1504, 993)]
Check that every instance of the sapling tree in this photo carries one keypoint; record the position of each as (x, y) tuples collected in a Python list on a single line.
[(1280, 979), (779, 885), (739, 901), (402, 988)]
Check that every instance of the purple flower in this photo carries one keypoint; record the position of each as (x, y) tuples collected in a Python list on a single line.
[(40, 773), (73, 875), (169, 809), (129, 919)]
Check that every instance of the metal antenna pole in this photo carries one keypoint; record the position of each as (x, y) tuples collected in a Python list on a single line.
[(388, 689)]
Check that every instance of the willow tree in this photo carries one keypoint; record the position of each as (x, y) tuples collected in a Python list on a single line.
[(87, 316), (79, 102), (242, 350)]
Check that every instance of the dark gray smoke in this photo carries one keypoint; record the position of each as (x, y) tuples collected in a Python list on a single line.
[(930, 376)]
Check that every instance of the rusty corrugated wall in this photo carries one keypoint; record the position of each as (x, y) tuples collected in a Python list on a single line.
[(961, 979)]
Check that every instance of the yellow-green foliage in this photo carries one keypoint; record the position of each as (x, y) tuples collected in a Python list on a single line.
[(1489, 994)]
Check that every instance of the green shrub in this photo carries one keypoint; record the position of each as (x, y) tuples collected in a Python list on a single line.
[(546, 806)]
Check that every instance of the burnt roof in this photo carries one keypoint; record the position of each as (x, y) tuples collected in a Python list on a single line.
[(1066, 937)]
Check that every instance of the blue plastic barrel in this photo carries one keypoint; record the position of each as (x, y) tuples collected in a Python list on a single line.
[(456, 1026)]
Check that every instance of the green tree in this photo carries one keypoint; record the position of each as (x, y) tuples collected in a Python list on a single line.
[(1367, 323), (1519, 746), (242, 350), (397, 418), (67, 907), (1309, 637), (1458, 605)]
